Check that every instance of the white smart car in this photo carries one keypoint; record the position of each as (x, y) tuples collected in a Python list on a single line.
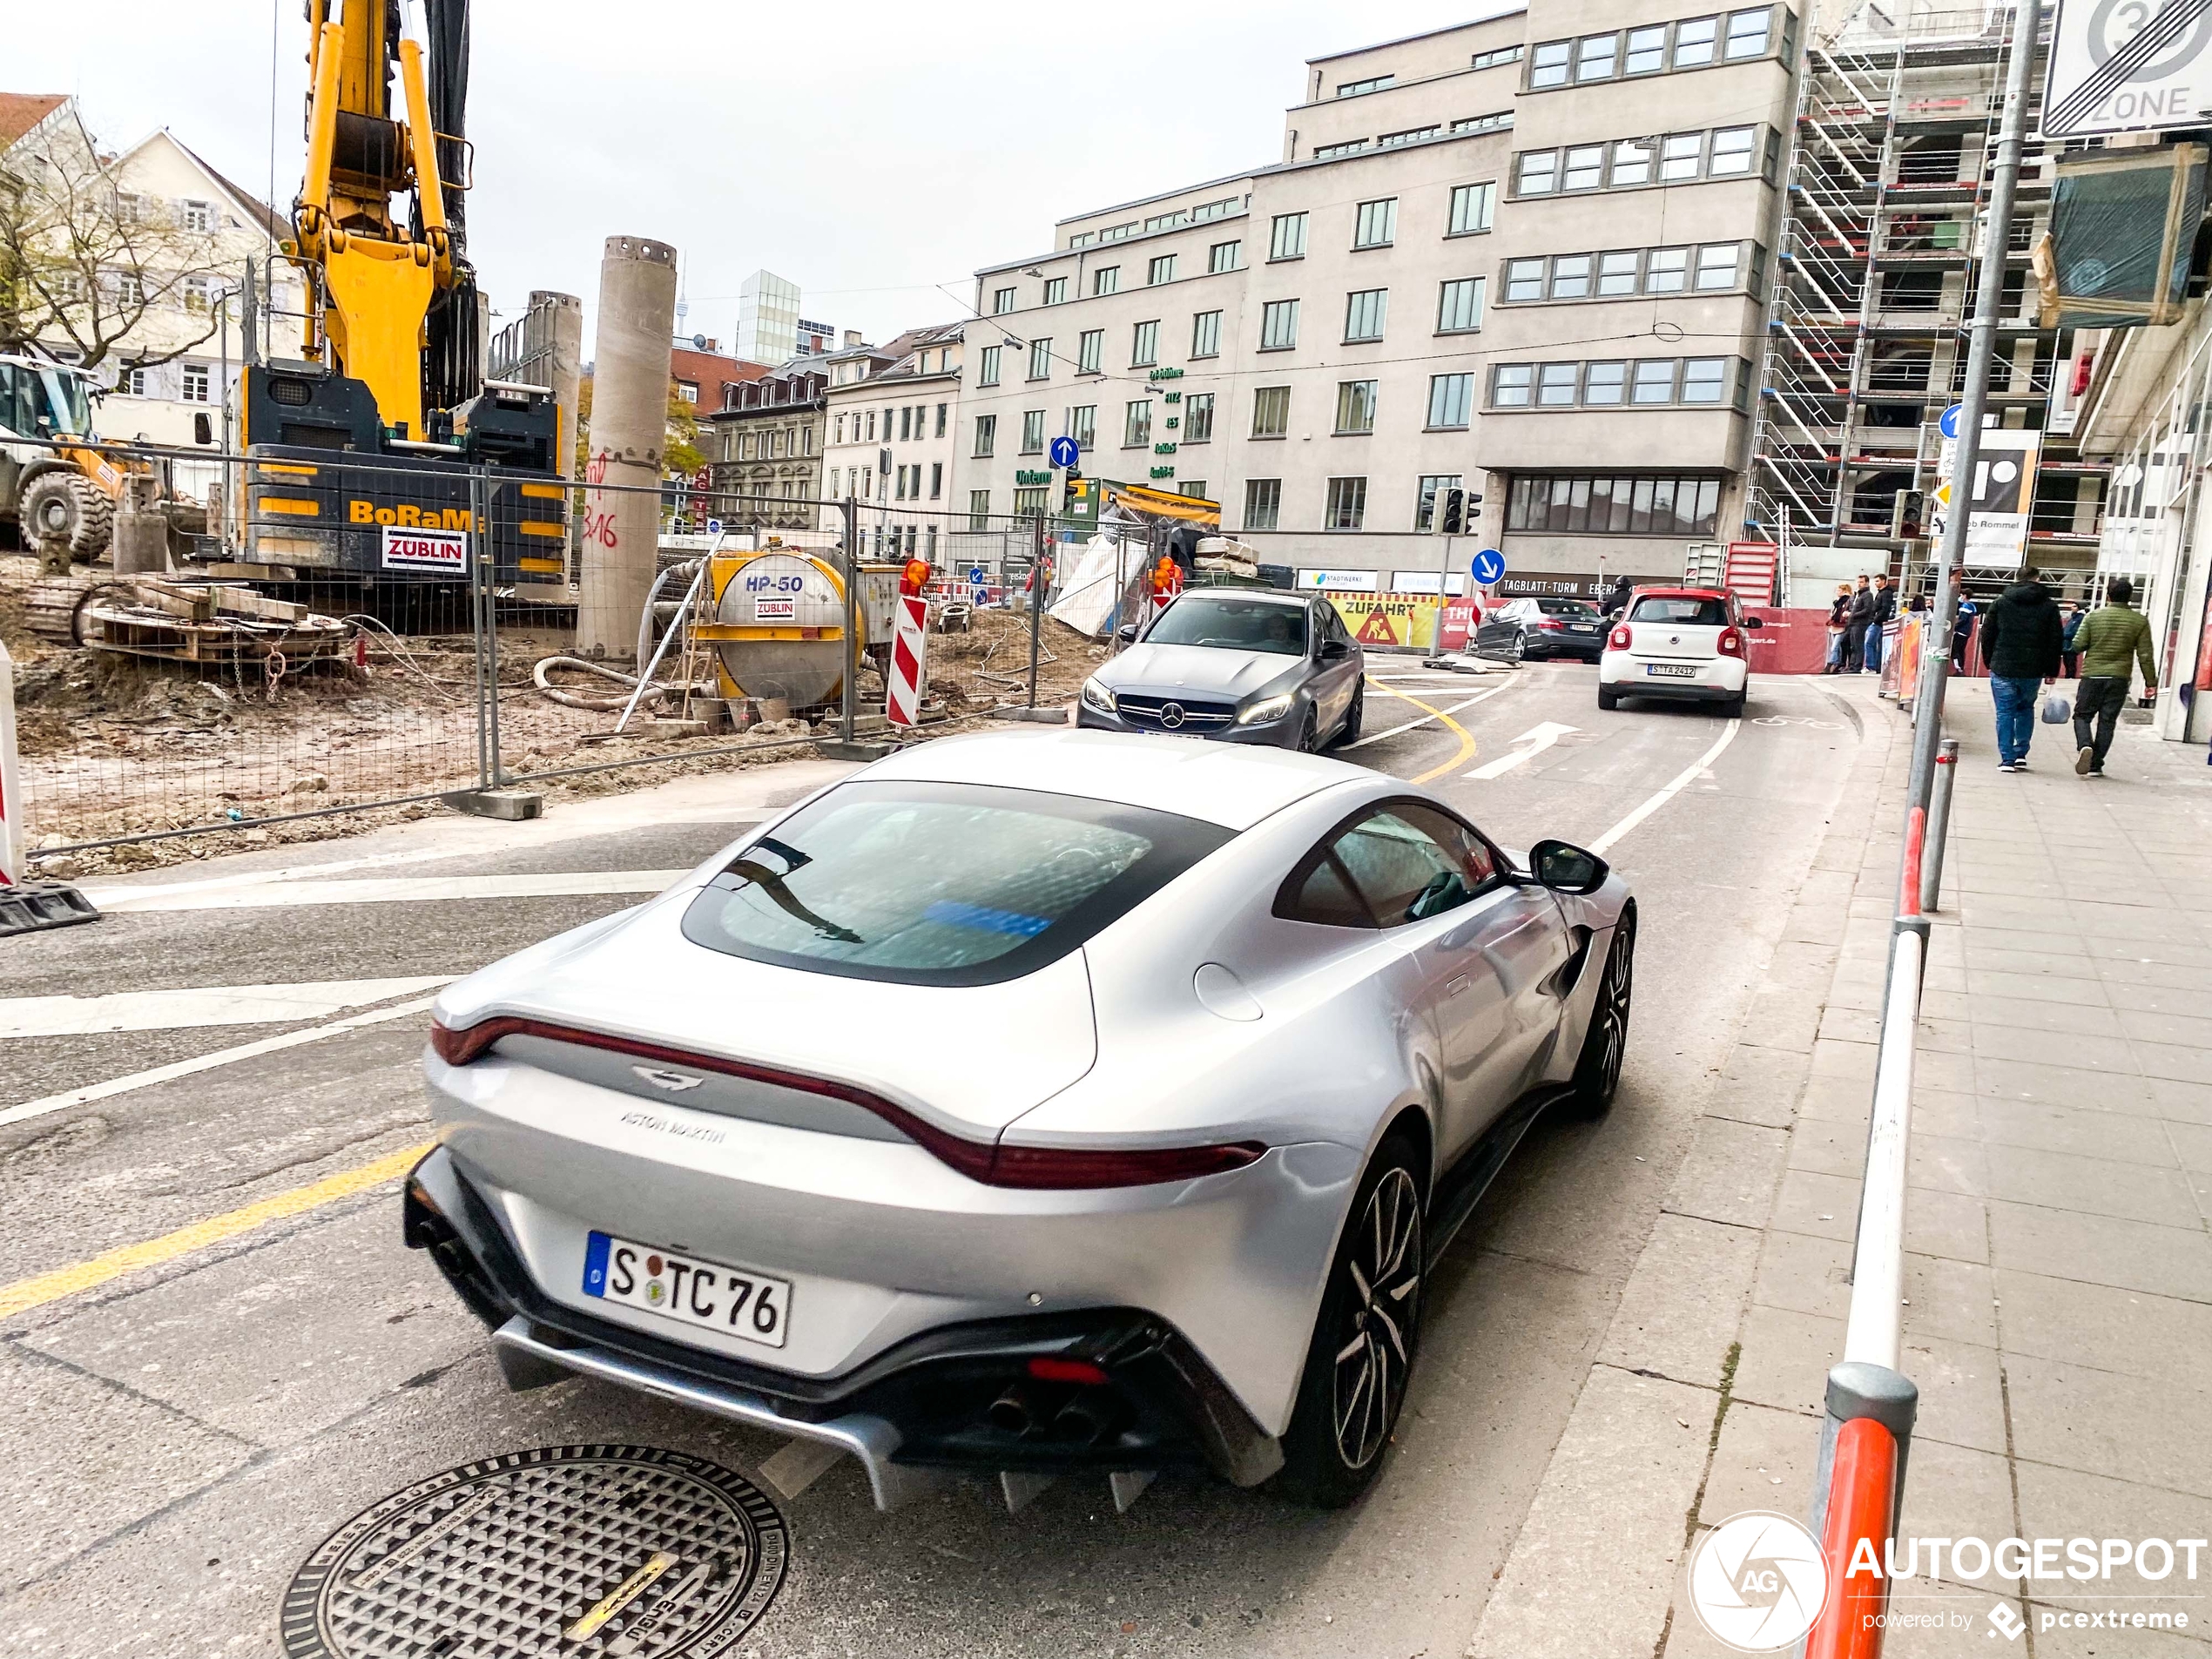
[(1688, 643)]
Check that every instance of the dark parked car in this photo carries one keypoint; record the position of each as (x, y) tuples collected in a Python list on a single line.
[(1245, 665), (1544, 628)]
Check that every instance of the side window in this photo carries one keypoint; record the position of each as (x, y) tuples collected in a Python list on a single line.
[(1327, 897), (1410, 862)]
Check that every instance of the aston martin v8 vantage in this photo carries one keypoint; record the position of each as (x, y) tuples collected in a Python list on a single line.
[(1023, 1103)]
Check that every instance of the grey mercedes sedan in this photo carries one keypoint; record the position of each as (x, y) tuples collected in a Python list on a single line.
[(1245, 665)]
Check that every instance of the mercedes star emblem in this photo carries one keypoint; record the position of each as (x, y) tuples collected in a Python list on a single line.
[(1170, 715)]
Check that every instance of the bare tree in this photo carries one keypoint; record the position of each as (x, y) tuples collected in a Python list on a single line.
[(84, 262)]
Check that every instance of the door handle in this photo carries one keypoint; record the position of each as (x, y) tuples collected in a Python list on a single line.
[(1453, 985)]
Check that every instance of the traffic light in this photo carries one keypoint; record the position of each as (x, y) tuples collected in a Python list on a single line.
[(1908, 515), (1455, 512), (1072, 492)]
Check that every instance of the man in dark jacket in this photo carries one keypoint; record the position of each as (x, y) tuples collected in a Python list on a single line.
[(2021, 640), (1862, 608), (1877, 619)]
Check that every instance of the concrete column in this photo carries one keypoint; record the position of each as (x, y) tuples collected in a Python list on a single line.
[(141, 535), (564, 315), (629, 428)]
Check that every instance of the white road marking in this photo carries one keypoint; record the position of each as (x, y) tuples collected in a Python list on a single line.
[(394, 889), (1689, 776), (1533, 742), (1376, 737), (76, 1016), (136, 1080)]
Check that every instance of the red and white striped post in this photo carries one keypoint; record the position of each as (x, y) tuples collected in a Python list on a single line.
[(909, 646), (11, 803)]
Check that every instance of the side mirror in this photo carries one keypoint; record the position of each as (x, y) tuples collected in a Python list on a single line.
[(1753, 622), (203, 429), (1566, 868), (1126, 633), (1334, 650)]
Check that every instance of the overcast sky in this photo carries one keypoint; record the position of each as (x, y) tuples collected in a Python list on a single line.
[(866, 151)]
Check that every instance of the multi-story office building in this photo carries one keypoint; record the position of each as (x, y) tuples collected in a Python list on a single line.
[(768, 318), (896, 404), (1526, 256)]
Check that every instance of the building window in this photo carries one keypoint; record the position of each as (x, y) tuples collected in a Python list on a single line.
[(1376, 224), (1197, 418), (1631, 163), (1664, 269), (1654, 382), (1425, 497), (1647, 53), (1547, 66), (1331, 152), (1362, 314), (1372, 84), (1082, 426), (1192, 486), (1585, 167), (1679, 154), (906, 414), (1747, 32), (1537, 174), (987, 375), (132, 382), (1555, 384), (1409, 135), (1263, 503), (1582, 504), (196, 384), (1002, 302), (1162, 269), (1509, 385), (1524, 279), (1348, 506), (1030, 502), (1040, 361), (1603, 383), (941, 408), (1205, 334), (1137, 423), (1717, 263), (986, 435), (1450, 397), (1732, 151), (1278, 325), (1106, 279), (1617, 273), (1271, 411), (1286, 238), (1593, 57), (1694, 41), (1571, 276), (979, 510), (1459, 306), (1705, 379), (839, 430), (198, 217), (1145, 344), (1224, 256), (1471, 205), (1055, 291), (1032, 431), (936, 479), (1494, 56), (199, 292), (1355, 407), (1091, 351)]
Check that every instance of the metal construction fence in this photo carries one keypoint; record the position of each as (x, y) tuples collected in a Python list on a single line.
[(233, 692)]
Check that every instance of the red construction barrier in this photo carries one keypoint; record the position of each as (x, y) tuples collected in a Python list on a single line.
[(1862, 1497), (909, 642), (1916, 836)]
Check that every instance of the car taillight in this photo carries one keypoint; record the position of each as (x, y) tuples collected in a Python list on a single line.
[(1046, 1368), (1620, 638), (1033, 1167), (1548, 625), (1731, 642)]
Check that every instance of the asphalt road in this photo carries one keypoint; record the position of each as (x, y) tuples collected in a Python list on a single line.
[(189, 1421)]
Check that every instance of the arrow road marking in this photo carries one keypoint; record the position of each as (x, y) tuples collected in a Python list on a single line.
[(1533, 742)]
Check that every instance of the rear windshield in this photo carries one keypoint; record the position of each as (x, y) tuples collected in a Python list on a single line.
[(1681, 610), (1579, 607), (1235, 625), (940, 884)]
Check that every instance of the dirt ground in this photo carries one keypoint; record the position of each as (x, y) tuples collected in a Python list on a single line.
[(116, 746)]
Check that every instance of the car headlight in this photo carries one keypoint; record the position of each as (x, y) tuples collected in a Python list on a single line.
[(1097, 697), (1268, 708)]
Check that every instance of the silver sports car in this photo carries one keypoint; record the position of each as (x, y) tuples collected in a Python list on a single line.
[(1027, 1103)]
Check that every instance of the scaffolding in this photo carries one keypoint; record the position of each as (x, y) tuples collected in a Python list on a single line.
[(1895, 126)]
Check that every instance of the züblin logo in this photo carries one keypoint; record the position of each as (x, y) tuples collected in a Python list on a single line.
[(410, 516), (1757, 1582)]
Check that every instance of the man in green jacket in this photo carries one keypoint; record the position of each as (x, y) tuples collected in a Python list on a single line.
[(2111, 640)]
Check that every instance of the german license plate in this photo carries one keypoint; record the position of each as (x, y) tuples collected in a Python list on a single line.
[(736, 1301), (1671, 671), (1581, 627)]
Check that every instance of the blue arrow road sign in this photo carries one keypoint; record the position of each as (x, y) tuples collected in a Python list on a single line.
[(1488, 565), (714, 527), (1064, 453), (1947, 422)]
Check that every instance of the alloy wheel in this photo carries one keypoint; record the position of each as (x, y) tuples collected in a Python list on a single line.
[(1612, 1000), (1375, 1346)]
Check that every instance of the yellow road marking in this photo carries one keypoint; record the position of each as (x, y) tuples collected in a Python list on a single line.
[(35, 1291), (1466, 743)]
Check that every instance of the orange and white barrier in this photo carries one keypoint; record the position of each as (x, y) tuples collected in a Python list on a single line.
[(1167, 582), (909, 645), (11, 802)]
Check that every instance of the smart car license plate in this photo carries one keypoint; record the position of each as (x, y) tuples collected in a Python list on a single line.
[(1671, 671), (735, 1301)]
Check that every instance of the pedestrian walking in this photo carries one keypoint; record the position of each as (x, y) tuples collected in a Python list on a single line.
[(1861, 607), (2113, 640), (1962, 627), (2070, 654), (1838, 628), (1615, 605), (1878, 622), (2020, 641)]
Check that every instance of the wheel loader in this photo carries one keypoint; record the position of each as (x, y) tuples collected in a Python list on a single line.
[(59, 496)]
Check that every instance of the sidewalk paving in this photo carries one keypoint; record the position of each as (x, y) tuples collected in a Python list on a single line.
[(2059, 1222)]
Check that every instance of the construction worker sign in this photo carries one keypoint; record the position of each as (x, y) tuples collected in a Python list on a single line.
[(1388, 619)]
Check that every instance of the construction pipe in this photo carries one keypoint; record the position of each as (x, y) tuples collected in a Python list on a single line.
[(630, 369), (563, 314)]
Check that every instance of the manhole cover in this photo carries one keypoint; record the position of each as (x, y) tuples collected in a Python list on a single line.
[(623, 1551)]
